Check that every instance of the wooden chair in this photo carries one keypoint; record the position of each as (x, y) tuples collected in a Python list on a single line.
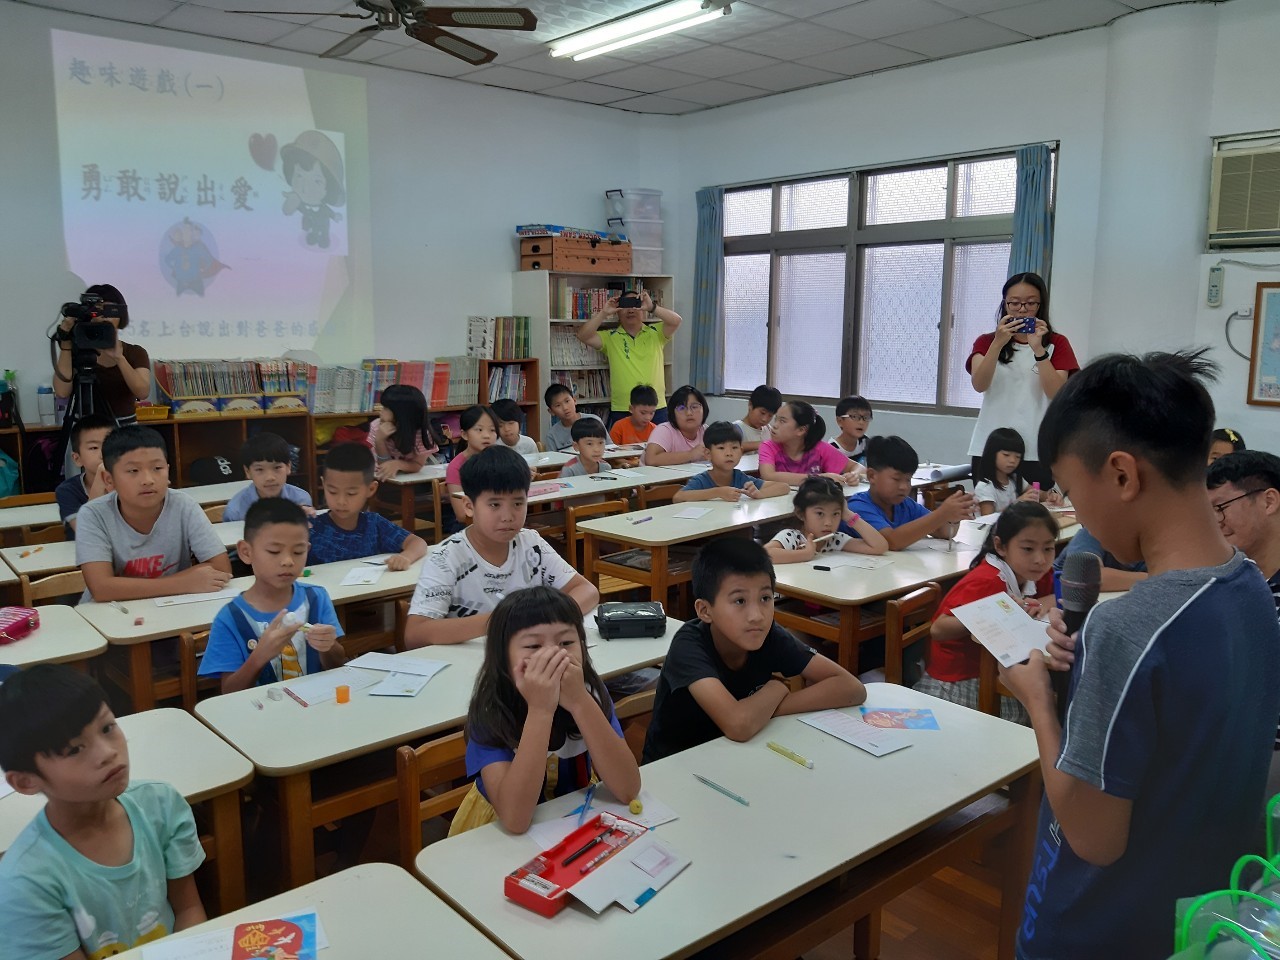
[(934, 494), (54, 533), (54, 585), (573, 514), (421, 771), (25, 500), (190, 646), (915, 608), (990, 689), (658, 496), (215, 512), (634, 713)]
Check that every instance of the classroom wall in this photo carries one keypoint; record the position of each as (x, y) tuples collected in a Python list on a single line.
[(1134, 106)]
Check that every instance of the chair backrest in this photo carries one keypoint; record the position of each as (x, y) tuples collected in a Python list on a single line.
[(635, 705), (934, 494), (215, 512), (26, 500), (54, 533), (190, 646), (401, 620), (658, 496), (907, 622), (431, 765), (55, 585), (573, 514)]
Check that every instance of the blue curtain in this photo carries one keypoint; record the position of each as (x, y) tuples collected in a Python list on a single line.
[(1032, 248), (706, 365)]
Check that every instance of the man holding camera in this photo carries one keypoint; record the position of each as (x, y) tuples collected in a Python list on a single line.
[(633, 348), (122, 374)]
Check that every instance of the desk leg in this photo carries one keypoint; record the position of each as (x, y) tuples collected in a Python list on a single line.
[(229, 850), (866, 936), (847, 641), (658, 570), (408, 506), (296, 835), (141, 682), (1017, 849)]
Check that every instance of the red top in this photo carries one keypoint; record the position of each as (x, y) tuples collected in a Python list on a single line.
[(1062, 356), (954, 660)]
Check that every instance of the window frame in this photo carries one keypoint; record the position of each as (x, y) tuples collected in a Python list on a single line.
[(951, 231)]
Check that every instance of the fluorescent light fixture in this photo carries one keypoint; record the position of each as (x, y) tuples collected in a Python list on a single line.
[(655, 22)]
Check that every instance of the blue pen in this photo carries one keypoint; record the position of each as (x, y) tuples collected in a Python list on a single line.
[(586, 804)]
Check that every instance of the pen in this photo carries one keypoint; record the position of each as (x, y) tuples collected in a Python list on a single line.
[(789, 754), (119, 606), (258, 704), (819, 566), (825, 536), (586, 803), (715, 786), (598, 857), (295, 697), (585, 847), (642, 520)]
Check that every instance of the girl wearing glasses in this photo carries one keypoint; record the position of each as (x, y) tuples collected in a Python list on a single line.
[(679, 440), (1018, 369)]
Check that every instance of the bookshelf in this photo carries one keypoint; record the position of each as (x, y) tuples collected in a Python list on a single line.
[(529, 397), (541, 295)]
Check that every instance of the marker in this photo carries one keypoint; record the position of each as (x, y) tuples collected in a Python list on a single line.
[(295, 697), (789, 754), (585, 847), (119, 606), (819, 566), (642, 520), (719, 789), (258, 704)]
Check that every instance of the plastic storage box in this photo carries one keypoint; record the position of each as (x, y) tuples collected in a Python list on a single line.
[(646, 261), (633, 203), (641, 233)]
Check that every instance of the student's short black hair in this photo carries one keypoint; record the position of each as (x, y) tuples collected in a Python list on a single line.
[(770, 398), (552, 392), (1000, 440), (722, 431), (853, 404), (1154, 406), (93, 421), (350, 458), (724, 558), (42, 709), (267, 510), (643, 395), (1255, 469), (266, 447), (891, 453), (124, 440), (507, 411), (681, 396), (585, 427), (495, 469)]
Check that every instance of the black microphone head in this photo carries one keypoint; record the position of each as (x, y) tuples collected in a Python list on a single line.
[(1081, 581)]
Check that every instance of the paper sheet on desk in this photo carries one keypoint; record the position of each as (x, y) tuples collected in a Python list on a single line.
[(323, 686), (226, 594), (630, 877), (973, 533), (216, 945), (691, 513), (852, 730), (400, 685), (628, 474), (358, 576), (550, 832), (1001, 625), (395, 663), (860, 561)]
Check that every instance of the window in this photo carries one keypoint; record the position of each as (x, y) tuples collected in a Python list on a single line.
[(874, 282)]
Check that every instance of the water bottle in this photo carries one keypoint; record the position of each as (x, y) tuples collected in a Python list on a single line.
[(45, 403)]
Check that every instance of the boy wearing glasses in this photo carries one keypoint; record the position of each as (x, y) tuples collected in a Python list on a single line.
[(853, 417)]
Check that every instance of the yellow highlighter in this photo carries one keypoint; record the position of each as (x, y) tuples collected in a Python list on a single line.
[(790, 754)]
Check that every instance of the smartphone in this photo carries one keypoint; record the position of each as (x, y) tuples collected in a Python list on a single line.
[(1028, 326)]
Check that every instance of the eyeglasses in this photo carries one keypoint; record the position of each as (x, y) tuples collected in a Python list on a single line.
[(1019, 304), (689, 408), (860, 417), (1222, 507)]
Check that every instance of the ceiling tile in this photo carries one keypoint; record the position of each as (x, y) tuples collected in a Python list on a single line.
[(306, 10), (653, 103), (786, 76), (715, 60), (215, 23), (795, 40), (423, 59), (862, 58), (1148, 4), (744, 20), (588, 92), (559, 18), (802, 8), (1054, 16), (649, 79), (959, 36), (133, 11), (495, 75), (882, 18), (308, 40), (569, 69), (670, 45), (713, 93), (974, 7)]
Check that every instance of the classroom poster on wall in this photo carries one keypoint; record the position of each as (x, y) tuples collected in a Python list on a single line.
[(218, 193)]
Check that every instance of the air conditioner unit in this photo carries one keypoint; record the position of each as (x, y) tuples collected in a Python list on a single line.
[(1244, 198)]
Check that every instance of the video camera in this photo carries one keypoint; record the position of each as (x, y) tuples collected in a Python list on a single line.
[(90, 331)]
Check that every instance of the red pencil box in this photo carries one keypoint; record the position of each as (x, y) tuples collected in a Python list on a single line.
[(541, 884), (17, 622)]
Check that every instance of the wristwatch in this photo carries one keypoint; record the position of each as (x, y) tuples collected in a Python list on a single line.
[(1043, 356)]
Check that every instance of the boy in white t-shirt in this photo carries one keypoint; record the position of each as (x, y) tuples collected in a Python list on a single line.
[(466, 576), (761, 406), (508, 414)]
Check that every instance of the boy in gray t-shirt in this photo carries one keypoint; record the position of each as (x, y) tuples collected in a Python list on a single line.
[(142, 532)]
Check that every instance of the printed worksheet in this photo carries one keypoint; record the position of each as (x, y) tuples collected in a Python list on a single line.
[(1001, 625)]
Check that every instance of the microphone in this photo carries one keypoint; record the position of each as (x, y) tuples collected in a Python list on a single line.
[(1081, 582)]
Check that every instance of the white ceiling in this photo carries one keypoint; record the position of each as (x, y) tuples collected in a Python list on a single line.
[(763, 47)]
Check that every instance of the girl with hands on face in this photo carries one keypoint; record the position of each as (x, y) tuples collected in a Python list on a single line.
[(541, 723)]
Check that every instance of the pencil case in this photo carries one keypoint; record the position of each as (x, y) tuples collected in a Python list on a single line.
[(542, 884), (631, 619), (17, 622)]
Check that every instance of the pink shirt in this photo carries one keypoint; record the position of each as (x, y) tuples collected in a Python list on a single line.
[(823, 458), (453, 472), (419, 448), (672, 440)]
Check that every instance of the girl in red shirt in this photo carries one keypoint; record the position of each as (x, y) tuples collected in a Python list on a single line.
[(1016, 559)]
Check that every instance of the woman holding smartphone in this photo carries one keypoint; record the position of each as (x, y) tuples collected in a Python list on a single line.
[(1018, 369)]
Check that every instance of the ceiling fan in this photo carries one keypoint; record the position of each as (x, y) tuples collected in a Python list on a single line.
[(424, 23)]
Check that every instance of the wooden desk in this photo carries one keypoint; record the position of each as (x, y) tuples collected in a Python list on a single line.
[(48, 558), (13, 519), (209, 494), (847, 589), (373, 910), (826, 847), (288, 742), (160, 622), (171, 745), (612, 483), (62, 637), (663, 531)]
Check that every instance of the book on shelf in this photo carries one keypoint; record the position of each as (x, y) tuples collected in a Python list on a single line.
[(379, 374), (413, 373), (506, 382), (584, 383), (261, 378), (579, 303), (498, 338), (568, 351)]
